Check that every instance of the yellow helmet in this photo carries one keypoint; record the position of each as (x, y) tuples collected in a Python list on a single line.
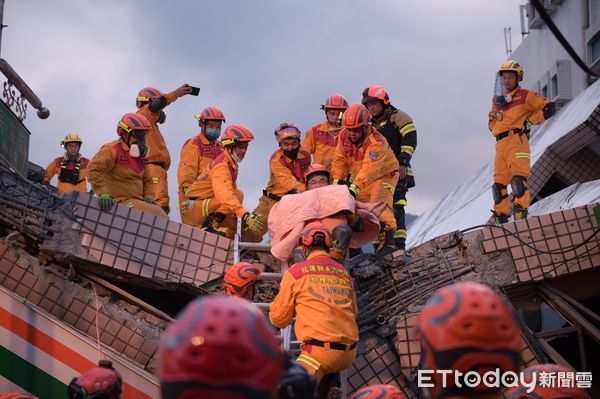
[(512, 66), (71, 138)]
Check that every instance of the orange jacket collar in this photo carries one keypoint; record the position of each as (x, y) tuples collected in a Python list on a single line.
[(317, 253)]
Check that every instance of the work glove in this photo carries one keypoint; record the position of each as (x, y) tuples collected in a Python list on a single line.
[(354, 190), (252, 222), (186, 205), (158, 103), (150, 200), (549, 110), (106, 202), (340, 182)]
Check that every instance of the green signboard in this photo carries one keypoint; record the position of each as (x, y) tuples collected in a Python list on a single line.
[(14, 139)]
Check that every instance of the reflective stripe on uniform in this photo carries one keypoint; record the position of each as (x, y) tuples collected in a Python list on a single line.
[(155, 180), (402, 202), (205, 204), (129, 205), (400, 233), (309, 361), (522, 155), (410, 172), (388, 186), (409, 127), (409, 149)]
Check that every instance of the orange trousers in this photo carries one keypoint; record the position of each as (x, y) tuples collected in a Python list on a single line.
[(142, 206), (322, 361), (512, 159), (197, 214), (382, 190), (161, 187), (263, 209)]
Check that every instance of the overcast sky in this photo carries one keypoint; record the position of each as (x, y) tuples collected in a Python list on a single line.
[(263, 63)]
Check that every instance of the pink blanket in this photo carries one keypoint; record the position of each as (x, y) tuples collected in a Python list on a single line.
[(288, 217)]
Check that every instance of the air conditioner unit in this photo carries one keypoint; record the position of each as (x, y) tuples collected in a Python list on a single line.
[(535, 21), (562, 93)]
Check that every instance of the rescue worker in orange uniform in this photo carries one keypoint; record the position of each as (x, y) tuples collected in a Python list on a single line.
[(220, 347), (71, 168), (319, 292), (118, 171), (400, 132), (15, 395), (365, 161), (150, 103), (467, 327), (240, 280), (287, 166), (320, 140), (199, 152), (378, 391), (103, 381), (213, 200), (560, 384), (511, 112)]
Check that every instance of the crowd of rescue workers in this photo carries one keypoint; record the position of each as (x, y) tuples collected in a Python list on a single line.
[(222, 346)]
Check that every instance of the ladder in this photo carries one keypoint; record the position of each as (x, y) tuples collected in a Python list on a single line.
[(285, 334)]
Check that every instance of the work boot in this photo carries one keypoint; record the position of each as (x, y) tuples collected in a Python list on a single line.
[(387, 246), (519, 212), (328, 382), (500, 219), (213, 222)]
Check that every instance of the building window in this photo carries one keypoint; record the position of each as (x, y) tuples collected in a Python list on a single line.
[(545, 91), (554, 86), (595, 49)]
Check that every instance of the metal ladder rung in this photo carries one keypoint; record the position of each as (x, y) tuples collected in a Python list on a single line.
[(271, 276)]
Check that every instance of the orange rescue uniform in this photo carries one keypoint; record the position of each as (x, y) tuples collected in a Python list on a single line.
[(372, 167), (512, 145), (113, 171), (215, 191), (72, 175), (286, 175), (321, 140), (159, 159), (320, 293), (197, 154)]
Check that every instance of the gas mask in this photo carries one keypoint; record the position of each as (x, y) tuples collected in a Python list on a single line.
[(235, 157), (292, 154), (162, 117), (139, 149), (212, 134), (499, 98), (73, 158)]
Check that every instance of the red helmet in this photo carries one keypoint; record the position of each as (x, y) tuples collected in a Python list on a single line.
[(131, 122), (554, 391), (316, 169), (335, 101), (378, 391), (210, 114), (99, 382), (147, 94), (15, 395), (239, 278), (220, 346), (374, 93), (236, 133), (315, 231), (355, 116), (467, 326), (287, 131)]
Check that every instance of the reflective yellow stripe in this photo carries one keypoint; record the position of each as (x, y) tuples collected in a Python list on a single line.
[(407, 149), (310, 361), (522, 155), (155, 180), (129, 205), (402, 202), (410, 172), (409, 127), (388, 186), (205, 204), (400, 233)]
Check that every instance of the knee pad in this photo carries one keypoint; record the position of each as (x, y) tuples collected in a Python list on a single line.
[(341, 236), (518, 185), (497, 192)]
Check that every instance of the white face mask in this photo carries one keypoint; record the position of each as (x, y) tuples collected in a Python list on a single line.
[(235, 157), (134, 151)]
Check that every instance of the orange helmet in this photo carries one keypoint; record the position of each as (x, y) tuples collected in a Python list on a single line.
[(355, 116), (239, 278), (374, 93), (220, 346), (15, 395), (131, 122), (287, 131), (99, 382), (315, 169), (315, 233), (147, 94), (236, 133), (553, 391), (335, 101), (378, 391), (210, 114), (467, 326)]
